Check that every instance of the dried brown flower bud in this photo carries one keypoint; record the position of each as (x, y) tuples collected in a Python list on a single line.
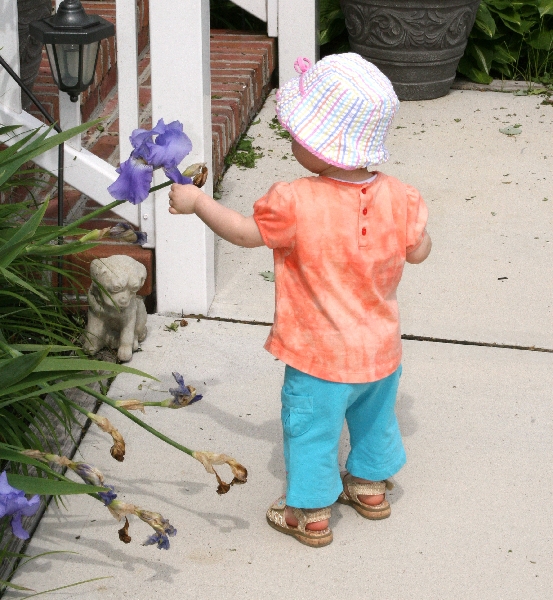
[(198, 172), (208, 459), (124, 533), (118, 448)]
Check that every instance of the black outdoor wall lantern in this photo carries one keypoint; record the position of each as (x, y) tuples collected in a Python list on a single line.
[(72, 40)]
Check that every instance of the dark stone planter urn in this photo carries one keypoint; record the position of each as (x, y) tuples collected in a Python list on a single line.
[(416, 43)]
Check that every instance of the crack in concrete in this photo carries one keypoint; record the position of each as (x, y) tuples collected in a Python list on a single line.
[(416, 338)]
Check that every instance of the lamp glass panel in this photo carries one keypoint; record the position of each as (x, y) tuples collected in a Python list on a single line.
[(68, 60), (89, 62), (53, 63)]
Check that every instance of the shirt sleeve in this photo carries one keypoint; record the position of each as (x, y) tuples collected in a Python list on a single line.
[(275, 215), (417, 217)]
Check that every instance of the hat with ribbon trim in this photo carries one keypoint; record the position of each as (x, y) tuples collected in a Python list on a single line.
[(340, 109)]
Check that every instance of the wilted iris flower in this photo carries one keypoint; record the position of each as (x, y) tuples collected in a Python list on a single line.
[(118, 448), (93, 476), (183, 395), (168, 149), (161, 526), (14, 503), (125, 232), (208, 459), (89, 474), (163, 529)]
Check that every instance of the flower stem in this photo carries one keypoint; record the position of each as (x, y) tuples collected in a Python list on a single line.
[(151, 430)]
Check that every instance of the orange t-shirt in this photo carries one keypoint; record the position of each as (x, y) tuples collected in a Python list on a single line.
[(339, 250)]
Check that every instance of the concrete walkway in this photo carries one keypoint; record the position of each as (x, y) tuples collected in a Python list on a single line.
[(471, 510)]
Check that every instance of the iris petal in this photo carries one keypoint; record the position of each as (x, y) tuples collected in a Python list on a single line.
[(175, 175), (139, 136), (133, 183), (17, 527), (168, 149), (31, 506)]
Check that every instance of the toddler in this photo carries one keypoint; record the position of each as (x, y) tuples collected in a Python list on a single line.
[(340, 240)]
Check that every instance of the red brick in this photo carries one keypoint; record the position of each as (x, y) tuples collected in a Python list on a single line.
[(221, 108), (79, 264), (223, 121), (259, 50), (105, 146), (222, 63), (234, 79), (70, 198)]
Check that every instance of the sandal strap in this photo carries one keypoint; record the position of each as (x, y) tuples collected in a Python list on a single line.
[(309, 515), (355, 489)]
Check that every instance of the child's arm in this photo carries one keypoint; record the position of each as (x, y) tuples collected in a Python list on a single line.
[(421, 251), (225, 222)]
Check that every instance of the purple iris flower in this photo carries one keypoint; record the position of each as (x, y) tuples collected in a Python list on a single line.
[(168, 149), (14, 503)]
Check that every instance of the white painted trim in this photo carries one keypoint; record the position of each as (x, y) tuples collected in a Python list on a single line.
[(297, 35), (257, 8), (10, 92), (83, 170), (272, 18), (127, 73), (181, 90), (70, 116)]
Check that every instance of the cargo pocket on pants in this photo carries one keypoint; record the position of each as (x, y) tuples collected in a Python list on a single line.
[(297, 414)]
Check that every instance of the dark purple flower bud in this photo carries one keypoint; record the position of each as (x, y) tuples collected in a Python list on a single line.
[(108, 497), (125, 232), (14, 503)]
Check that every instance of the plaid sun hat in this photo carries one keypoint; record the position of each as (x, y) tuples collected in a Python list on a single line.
[(340, 109)]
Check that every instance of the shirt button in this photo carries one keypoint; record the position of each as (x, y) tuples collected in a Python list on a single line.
[(364, 211), (364, 231), (364, 191)]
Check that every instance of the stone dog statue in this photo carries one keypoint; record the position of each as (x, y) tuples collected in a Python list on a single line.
[(116, 315)]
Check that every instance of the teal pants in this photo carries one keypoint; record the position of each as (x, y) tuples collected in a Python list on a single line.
[(313, 413)]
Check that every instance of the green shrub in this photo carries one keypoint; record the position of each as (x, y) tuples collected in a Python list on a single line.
[(511, 40)]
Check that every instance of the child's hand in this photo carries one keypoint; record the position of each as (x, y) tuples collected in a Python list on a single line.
[(182, 199)]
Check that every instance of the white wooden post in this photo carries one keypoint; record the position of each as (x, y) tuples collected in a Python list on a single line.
[(70, 116), (10, 93), (181, 90), (298, 22), (127, 89), (127, 73), (272, 18)]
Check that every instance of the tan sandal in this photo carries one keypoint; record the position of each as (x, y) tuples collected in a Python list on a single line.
[(316, 539), (354, 489)]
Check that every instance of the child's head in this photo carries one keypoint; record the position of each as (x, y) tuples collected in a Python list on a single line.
[(340, 110)]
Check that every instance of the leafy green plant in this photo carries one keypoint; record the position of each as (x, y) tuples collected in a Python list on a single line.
[(511, 40), (41, 361), (244, 154), (333, 35)]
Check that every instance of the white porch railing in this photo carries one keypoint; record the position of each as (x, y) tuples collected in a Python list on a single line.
[(180, 73)]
